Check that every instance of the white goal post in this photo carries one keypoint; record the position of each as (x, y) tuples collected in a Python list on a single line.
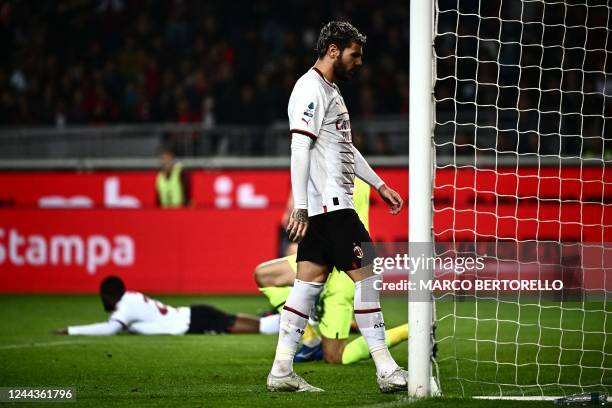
[(420, 185)]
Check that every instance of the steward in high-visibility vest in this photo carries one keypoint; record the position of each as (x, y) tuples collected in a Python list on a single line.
[(170, 189), (171, 184)]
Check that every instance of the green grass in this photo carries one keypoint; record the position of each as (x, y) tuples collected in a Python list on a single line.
[(230, 370), (527, 348)]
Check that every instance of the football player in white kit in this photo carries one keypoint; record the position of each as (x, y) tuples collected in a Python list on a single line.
[(136, 313), (324, 163)]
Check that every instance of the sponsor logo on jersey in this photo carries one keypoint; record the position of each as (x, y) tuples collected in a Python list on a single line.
[(343, 125)]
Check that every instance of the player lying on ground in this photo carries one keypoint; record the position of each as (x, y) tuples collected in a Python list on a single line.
[(138, 314), (334, 307), (324, 164)]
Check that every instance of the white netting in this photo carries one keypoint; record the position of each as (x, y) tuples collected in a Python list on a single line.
[(523, 140)]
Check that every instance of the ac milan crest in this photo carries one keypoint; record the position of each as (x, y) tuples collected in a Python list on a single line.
[(358, 251)]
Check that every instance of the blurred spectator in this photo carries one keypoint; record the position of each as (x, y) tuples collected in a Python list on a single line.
[(464, 144), (172, 185), (381, 145), (359, 141)]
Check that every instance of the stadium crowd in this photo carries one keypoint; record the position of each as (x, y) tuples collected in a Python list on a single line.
[(123, 61), (525, 77)]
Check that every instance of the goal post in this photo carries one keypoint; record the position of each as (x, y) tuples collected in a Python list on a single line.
[(420, 188)]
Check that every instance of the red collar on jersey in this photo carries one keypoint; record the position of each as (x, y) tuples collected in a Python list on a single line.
[(322, 76)]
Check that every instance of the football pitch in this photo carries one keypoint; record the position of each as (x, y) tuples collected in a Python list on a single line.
[(230, 370)]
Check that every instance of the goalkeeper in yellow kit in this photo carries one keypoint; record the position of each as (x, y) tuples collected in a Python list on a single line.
[(275, 279)]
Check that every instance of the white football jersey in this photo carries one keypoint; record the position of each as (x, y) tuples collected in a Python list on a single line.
[(316, 109), (140, 314)]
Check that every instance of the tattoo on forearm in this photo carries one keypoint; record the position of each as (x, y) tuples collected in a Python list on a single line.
[(301, 215)]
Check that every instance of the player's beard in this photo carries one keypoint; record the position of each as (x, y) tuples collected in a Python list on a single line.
[(341, 71)]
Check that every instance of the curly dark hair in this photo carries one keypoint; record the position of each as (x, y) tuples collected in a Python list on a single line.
[(112, 289), (340, 33)]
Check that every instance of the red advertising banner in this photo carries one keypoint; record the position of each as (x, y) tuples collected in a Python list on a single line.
[(78, 190), (224, 189), (173, 251), (63, 232)]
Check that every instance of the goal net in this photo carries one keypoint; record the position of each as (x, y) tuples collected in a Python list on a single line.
[(523, 179)]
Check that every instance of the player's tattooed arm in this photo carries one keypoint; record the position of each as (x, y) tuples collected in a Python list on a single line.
[(298, 224), (301, 215), (300, 162)]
